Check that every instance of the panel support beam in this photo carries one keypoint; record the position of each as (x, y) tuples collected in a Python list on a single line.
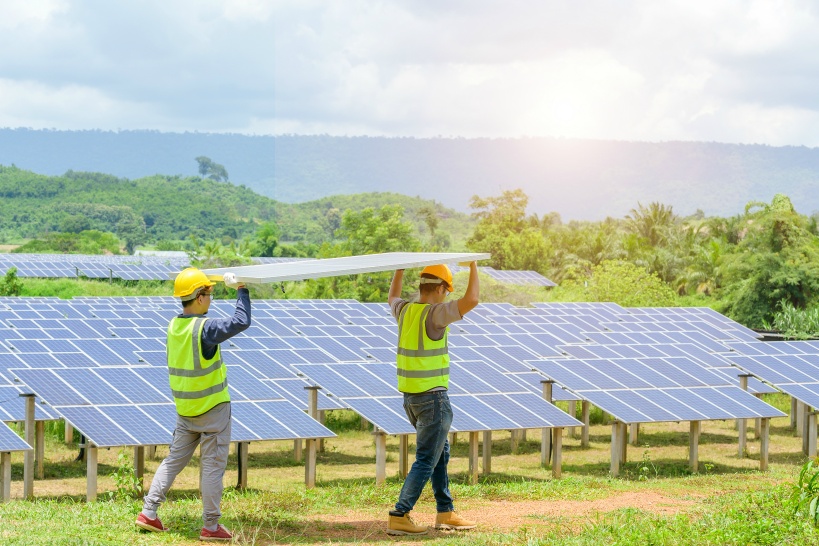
[(584, 433), (694, 446), (546, 433), (473, 457), (403, 455), (623, 442), (312, 443), (5, 475), (742, 424), (810, 423), (557, 447), (571, 432), (764, 443), (139, 465), (634, 434), (380, 456), (39, 449), (91, 472), (616, 450), (487, 452), (69, 433), (28, 457), (242, 459)]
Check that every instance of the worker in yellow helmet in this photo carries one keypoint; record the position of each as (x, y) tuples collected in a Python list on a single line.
[(198, 379), (423, 377)]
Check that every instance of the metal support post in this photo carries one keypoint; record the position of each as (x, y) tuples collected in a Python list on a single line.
[(487, 452), (764, 443), (39, 449), (616, 450), (694, 446), (139, 464), (623, 442), (91, 472), (634, 433), (546, 433), (584, 434), (473, 457), (403, 455), (742, 424), (5, 476), (28, 457), (811, 424), (311, 444), (69, 433), (242, 452), (380, 456), (571, 432), (557, 445)]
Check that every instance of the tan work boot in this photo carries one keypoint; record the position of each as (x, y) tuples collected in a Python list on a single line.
[(451, 520), (402, 524)]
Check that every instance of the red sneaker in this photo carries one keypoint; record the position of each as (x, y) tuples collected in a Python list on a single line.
[(148, 524), (219, 534)]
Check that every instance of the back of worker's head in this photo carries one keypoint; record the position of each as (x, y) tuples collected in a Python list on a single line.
[(432, 276), (189, 284)]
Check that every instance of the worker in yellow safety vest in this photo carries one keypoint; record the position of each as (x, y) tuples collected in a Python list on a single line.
[(199, 385), (423, 377)]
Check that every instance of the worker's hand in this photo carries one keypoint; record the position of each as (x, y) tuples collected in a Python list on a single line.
[(231, 281)]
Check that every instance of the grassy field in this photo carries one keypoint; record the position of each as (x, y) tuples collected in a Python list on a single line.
[(657, 500)]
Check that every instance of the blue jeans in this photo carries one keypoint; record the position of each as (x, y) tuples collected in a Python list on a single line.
[(431, 415)]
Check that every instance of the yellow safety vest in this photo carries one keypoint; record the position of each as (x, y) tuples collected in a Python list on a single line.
[(197, 383), (423, 363)]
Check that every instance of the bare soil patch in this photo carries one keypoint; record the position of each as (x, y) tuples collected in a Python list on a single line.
[(499, 516)]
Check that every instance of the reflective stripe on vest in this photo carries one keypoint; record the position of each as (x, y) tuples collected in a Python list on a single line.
[(423, 363), (197, 384)]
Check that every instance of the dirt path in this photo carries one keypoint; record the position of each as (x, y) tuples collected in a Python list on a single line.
[(500, 516)]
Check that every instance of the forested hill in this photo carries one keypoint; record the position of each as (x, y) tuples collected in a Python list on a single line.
[(159, 207), (580, 179)]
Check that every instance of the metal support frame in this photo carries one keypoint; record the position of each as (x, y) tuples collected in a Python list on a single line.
[(810, 425), (39, 449), (585, 407), (764, 443), (623, 442), (139, 465), (546, 433), (242, 452), (793, 413), (487, 452), (800, 418), (311, 444), (557, 449), (380, 456), (616, 449), (694, 446), (403, 455), (634, 434), (69, 433), (28, 457), (91, 472), (742, 424), (473, 457), (5, 476), (322, 417), (571, 432)]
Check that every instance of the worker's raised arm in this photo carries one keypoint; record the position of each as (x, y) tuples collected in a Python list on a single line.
[(473, 291), (396, 285)]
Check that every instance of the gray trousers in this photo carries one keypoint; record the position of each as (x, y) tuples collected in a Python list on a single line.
[(212, 430)]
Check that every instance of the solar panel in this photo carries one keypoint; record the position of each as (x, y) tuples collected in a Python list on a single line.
[(10, 441), (797, 376), (687, 390)]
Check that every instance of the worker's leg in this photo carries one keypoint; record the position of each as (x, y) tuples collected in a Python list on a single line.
[(440, 476), (215, 445), (425, 413), (182, 447)]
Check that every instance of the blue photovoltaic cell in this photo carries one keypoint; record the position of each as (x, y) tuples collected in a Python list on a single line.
[(337, 350), (49, 387), (501, 359), (28, 345), (154, 358), (74, 360), (464, 422), (130, 383), (529, 411), (488, 375), (808, 393), (666, 400), (246, 343), (9, 441), (644, 405), (40, 360), (261, 425), (90, 385), (244, 386), (302, 425), (139, 424), (13, 406), (374, 379), (476, 408), (381, 354), (697, 398), (261, 363), (330, 381), (386, 413), (93, 424), (621, 410)]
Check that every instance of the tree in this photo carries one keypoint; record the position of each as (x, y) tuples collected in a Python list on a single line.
[(620, 282), (373, 231), (651, 222), (209, 169), (267, 240), (505, 232)]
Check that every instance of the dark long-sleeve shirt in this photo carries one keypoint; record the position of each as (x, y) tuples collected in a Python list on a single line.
[(218, 330)]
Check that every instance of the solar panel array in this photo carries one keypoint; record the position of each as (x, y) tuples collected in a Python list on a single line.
[(510, 276), (517, 347), (791, 366)]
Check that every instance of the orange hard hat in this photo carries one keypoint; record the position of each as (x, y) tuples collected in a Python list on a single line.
[(442, 272), (188, 282)]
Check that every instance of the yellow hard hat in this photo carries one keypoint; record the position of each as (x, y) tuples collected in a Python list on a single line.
[(188, 282), (442, 272)]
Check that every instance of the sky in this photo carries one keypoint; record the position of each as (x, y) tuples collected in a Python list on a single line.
[(637, 70)]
